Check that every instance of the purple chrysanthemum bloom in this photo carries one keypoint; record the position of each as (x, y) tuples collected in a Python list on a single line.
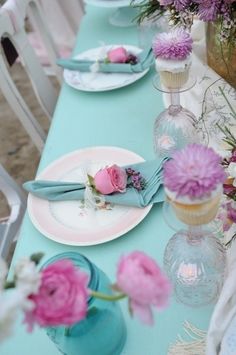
[(180, 5), (208, 9), (176, 44), (194, 172)]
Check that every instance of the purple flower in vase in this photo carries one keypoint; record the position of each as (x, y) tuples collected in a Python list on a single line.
[(229, 190), (176, 44), (194, 171), (180, 5), (208, 9), (231, 212), (233, 157)]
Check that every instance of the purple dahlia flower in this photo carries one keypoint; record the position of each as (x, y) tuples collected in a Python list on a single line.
[(194, 171), (176, 44)]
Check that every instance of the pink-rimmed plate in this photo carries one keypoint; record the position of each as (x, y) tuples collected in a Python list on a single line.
[(69, 222)]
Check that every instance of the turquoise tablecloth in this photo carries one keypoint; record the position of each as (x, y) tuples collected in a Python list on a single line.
[(123, 118)]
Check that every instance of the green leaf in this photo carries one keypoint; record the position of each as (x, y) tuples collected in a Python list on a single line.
[(91, 181), (229, 243), (9, 284), (92, 311), (67, 332), (36, 257)]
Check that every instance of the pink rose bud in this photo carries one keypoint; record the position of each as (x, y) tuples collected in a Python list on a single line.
[(142, 280), (117, 55), (112, 179), (62, 296)]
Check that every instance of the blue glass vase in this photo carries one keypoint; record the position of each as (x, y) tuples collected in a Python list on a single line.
[(103, 331)]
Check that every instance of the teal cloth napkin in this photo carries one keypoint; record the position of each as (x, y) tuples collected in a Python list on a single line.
[(153, 192), (145, 60)]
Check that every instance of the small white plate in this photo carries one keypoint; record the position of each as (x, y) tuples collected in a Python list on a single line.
[(69, 222), (87, 81)]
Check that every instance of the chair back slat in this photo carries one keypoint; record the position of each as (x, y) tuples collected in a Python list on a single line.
[(12, 19), (16, 199), (18, 105), (36, 16)]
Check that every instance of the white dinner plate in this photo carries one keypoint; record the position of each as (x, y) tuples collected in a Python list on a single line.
[(69, 222), (87, 81)]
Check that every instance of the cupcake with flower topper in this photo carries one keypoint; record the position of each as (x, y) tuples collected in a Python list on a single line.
[(172, 51), (193, 181)]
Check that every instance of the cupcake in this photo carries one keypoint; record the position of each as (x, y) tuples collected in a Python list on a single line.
[(193, 181), (172, 51)]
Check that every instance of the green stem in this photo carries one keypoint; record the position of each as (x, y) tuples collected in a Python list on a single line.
[(106, 297), (67, 331)]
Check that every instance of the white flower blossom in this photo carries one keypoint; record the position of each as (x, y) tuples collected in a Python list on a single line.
[(94, 68), (27, 276), (11, 302)]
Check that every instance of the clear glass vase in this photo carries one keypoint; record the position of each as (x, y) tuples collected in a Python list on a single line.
[(176, 126), (103, 331), (194, 260)]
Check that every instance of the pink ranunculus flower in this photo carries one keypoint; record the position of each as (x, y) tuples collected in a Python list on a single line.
[(142, 280), (62, 296), (111, 179), (117, 55)]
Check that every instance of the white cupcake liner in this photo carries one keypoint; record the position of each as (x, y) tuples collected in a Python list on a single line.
[(197, 214), (174, 80)]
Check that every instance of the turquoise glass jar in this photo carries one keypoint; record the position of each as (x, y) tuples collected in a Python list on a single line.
[(103, 331)]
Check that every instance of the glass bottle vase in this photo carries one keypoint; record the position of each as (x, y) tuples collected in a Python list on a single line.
[(174, 128), (103, 331), (194, 260)]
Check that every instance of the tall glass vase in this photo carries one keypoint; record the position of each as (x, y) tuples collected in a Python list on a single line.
[(175, 127), (103, 331), (194, 258), (221, 55), (195, 261)]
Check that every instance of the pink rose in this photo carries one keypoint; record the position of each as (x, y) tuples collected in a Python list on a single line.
[(62, 296), (117, 55), (142, 280), (112, 179)]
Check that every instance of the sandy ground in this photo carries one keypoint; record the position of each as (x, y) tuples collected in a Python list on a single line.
[(18, 154)]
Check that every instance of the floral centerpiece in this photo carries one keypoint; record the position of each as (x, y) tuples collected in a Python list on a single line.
[(59, 294), (220, 16)]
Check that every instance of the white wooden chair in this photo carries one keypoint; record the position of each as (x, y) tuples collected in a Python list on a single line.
[(16, 198), (12, 16), (63, 19)]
